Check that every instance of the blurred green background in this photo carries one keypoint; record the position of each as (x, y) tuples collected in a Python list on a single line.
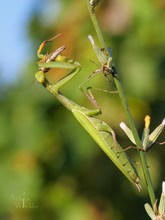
[(50, 168)]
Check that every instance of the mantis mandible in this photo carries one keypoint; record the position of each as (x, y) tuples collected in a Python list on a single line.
[(102, 133)]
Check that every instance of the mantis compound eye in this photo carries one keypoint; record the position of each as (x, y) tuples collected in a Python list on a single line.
[(40, 77)]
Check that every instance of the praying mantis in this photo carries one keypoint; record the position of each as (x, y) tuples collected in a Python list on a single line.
[(101, 132)]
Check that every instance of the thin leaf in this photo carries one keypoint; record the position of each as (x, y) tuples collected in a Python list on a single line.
[(149, 211), (128, 132)]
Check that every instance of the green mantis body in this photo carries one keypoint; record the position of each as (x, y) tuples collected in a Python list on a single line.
[(102, 133)]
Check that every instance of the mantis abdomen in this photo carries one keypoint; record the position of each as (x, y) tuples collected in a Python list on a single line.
[(103, 136)]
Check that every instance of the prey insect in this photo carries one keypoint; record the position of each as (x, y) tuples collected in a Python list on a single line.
[(105, 60), (102, 133)]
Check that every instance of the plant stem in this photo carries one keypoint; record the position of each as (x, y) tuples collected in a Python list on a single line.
[(127, 111), (96, 25), (142, 154)]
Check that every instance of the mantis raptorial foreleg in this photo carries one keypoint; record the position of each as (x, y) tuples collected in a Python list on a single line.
[(102, 133)]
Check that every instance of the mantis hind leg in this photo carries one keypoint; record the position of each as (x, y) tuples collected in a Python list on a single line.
[(88, 92)]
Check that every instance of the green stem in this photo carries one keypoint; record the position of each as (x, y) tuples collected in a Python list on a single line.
[(127, 111), (96, 25), (137, 140)]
